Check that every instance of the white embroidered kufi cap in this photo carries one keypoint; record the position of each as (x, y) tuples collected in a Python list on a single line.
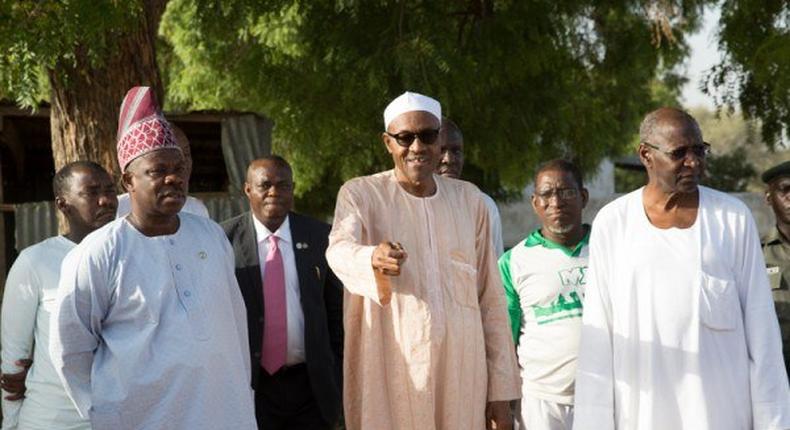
[(409, 102)]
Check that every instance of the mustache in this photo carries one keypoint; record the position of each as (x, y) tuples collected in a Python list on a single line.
[(172, 192), (103, 213)]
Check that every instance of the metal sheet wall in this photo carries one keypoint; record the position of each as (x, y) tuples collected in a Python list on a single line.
[(34, 222), (244, 138)]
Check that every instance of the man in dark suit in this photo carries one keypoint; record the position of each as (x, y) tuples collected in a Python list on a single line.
[(294, 304)]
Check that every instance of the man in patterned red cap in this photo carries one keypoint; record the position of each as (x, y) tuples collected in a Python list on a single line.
[(149, 330), (193, 205)]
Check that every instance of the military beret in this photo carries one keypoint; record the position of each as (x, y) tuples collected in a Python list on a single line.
[(782, 169)]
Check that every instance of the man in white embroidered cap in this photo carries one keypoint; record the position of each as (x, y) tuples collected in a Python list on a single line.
[(427, 342), (149, 330)]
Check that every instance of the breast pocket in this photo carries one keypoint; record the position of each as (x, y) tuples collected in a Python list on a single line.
[(464, 283), (719, 304), (774, 277)]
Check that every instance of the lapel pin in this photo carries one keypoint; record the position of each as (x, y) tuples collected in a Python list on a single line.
[(202, 255)]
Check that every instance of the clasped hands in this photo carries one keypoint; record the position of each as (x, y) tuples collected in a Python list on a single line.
[(14, 383)]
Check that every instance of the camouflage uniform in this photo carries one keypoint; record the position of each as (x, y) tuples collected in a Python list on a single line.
[(777, 261)]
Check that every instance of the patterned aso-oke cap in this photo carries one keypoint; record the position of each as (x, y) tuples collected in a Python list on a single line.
[(141, 127)]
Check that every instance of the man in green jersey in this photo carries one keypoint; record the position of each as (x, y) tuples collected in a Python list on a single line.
[(543, 276)]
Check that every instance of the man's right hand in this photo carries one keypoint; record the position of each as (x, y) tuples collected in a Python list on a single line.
[(388, 257), (14, 383)]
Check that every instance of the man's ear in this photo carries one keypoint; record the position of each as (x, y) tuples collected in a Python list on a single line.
[(61, 204), (126, 181), (247, 189), (585, 197), (645, 155), (386, 139), (768, 197)]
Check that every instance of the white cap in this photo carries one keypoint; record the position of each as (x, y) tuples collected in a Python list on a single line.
[(410, 102)]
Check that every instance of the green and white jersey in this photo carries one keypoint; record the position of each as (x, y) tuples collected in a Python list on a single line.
[(544, 285)]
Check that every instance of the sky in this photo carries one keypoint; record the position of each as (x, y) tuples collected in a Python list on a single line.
[(704, 54)]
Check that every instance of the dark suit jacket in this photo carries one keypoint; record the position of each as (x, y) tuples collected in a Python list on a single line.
[(321, 297)]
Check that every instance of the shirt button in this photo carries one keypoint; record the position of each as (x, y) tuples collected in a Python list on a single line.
[(172, 242), (178, 267), (187, 293)]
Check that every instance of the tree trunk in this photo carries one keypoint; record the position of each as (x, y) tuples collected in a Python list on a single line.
[(86, 97)]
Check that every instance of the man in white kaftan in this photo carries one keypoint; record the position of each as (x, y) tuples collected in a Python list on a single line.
[(679, 329), (149, 331), (85, 194), (427, 343)]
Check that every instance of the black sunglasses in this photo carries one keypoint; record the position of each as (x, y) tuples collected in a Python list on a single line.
[(699, 150), (406, 138)]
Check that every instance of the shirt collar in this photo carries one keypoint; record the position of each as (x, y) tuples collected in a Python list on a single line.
[(262, 233), (536, 238), (774, 237)]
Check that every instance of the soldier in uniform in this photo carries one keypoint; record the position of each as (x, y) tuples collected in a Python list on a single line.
[(776, 247)]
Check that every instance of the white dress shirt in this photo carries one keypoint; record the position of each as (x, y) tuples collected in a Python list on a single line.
[(151, 332), (295, 315), (30, 292)]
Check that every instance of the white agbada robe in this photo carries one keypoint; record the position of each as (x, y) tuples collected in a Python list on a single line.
[(30, 292), (151, 332), (679, 329)]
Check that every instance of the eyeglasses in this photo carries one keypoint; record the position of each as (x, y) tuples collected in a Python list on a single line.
[(699, 150), (406, 138), (561, 193)]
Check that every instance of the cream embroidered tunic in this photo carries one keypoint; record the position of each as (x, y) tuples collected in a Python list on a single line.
[(431, 354)]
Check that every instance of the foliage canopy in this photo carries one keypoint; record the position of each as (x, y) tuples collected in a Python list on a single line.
[(755, 72), (38, 35), (525, 80)]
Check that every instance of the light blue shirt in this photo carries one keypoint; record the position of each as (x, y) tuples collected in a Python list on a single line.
[(151, 332)]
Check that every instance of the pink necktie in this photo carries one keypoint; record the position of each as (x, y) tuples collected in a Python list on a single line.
[(275, 324)]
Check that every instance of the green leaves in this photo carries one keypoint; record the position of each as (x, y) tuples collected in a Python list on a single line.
[(36, 35), (526, 81), (755, 73)]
